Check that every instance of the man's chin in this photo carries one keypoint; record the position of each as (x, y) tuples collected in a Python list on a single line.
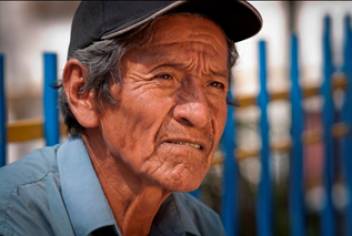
[(179, 178), (181, 184)]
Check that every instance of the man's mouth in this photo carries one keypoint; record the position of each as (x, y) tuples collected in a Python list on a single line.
[(191, 144)]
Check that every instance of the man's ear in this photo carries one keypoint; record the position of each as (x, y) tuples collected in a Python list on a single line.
[(82, 105)]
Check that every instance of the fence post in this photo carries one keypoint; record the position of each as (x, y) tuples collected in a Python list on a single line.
[(229, 211), (264, 199), (297, 126), (328, 219), (346, 117), (3, 113), (50, 101)]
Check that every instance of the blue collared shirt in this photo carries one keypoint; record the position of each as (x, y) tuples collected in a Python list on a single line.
[(55, 191)]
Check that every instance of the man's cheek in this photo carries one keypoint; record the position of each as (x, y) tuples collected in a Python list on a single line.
[(143, 138)]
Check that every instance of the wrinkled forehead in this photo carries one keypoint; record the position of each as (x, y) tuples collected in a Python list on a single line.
[(181, 38), (184, 28)]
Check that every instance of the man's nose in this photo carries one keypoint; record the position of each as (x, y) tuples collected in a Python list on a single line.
[(193, 110)]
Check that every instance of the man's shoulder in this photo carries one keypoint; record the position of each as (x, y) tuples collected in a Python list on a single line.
[(206, 219), (24, 189), (32, 168)]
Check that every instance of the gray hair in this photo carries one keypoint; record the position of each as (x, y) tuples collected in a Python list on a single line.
[(102, 60)]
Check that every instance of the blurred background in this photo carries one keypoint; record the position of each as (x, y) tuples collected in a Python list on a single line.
[(29, 28)]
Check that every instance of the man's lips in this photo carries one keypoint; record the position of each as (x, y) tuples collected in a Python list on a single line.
[(191, 143)]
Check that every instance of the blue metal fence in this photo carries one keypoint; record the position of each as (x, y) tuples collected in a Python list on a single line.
[(328, 219), (229, 204), (264, 199), (50, 100), (3, 112), (296, 171), (229, 200), (346, 117)]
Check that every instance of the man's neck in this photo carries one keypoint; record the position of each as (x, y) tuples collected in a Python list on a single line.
[(133, 201)]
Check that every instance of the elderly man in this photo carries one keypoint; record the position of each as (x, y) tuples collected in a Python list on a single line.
[(144, 98)]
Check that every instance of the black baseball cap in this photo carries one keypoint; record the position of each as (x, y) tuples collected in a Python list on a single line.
[(98, 20)]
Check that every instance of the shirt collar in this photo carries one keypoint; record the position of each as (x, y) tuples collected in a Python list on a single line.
[(86, 204)]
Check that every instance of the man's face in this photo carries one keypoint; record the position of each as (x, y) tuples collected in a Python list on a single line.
[(171, 106)]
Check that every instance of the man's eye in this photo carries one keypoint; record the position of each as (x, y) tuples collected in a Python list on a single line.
[(164, 76), (217, 85)]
